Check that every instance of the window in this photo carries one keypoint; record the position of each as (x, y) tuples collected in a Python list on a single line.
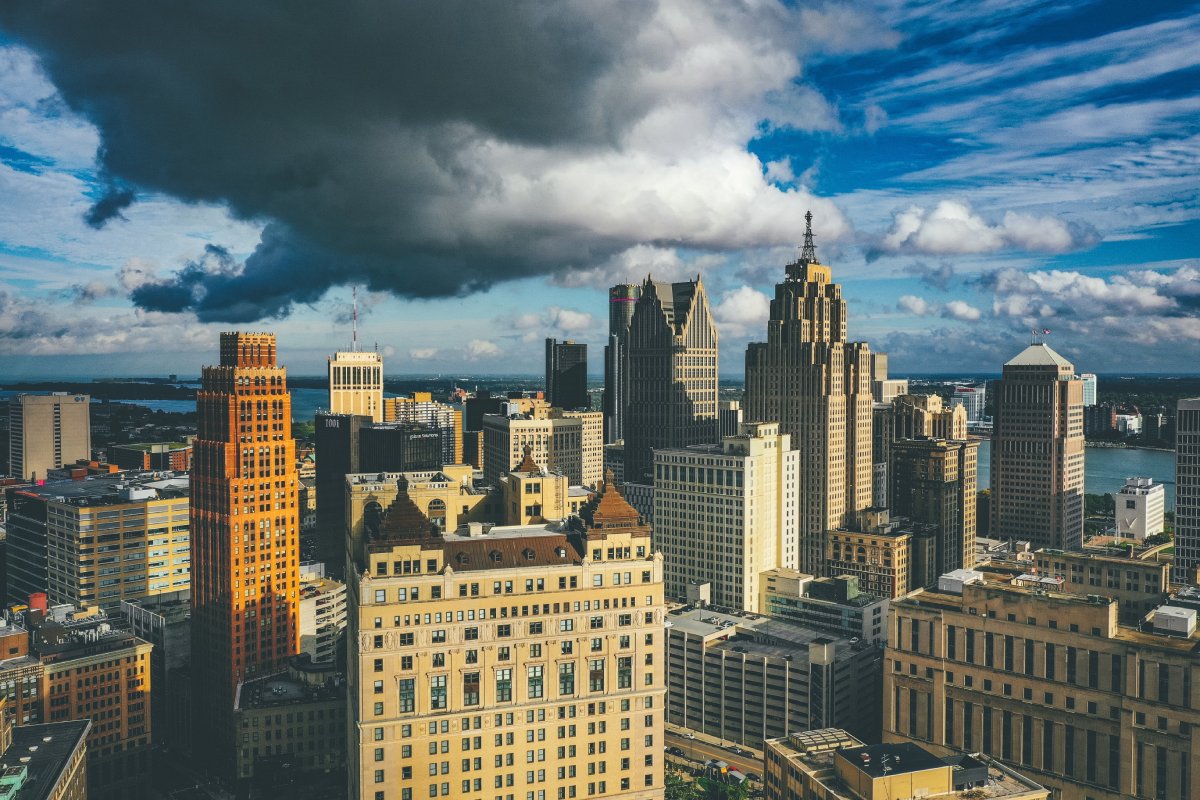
[(471, 688), (504, 685), (535, 681), (624, 672), (471, 634), (504, 630), (437, 691), (408, 694), (596, 674), (566, 678)]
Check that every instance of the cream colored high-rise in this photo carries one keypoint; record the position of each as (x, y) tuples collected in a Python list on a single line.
[(817, 386), (521, 662), (570, 442), (726, 513), (356, 384), (1038, 451), (46, 431)]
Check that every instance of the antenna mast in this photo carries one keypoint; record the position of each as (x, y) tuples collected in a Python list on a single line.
[(809, 251), (354, 335)]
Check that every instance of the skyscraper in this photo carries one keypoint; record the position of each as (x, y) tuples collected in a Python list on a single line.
[(566, 375), (356, 384), (245, 534), (1089, 388), (622, 299), (933, 481), (817, 386), (1187, 491), (1037, 451), (46, 431), (672, 374)]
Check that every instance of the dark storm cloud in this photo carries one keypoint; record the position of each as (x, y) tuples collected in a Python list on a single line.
[(937, 277), (114, 200), (350, 128)]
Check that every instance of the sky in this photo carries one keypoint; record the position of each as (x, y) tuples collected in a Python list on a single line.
[(483, 172)]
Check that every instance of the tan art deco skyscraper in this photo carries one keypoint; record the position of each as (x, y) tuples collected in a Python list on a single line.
[(245, 535), (1037, 451), (807, 377)]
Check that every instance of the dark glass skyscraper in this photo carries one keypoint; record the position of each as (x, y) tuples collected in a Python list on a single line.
[(566, 375), (622, 299)]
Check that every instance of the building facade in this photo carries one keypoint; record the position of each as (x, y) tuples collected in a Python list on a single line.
[(566, 376), (622, 299), (169, 456), (423, 409), (525, 659), (1140, 509), (1089, 388), (916, 416), (570, 442), (322, 613), (1037, 451), (1187, 491), (47, 431), (48, 762), (1049, 683), (356, 384), (753, 680), (672, 374), (817, 386), (245, 535), (832, 605), (889, 557), (973, 399), (934, 482), (724, 514)]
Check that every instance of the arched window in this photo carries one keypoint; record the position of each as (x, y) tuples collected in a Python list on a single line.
[(437, 512)]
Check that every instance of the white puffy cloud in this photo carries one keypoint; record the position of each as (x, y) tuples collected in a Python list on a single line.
[(1071, 293), (952, 227), (480, 349), (743, 306), (954, 309), (961, 310), (914, 305), (422, 353)]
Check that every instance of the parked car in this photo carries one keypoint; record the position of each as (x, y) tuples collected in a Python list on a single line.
[(754, 776), (675, 751), (689, 735)]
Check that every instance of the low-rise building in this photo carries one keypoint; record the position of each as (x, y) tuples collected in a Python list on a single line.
[(833, 605), (831, 764), (293, 721), (165, 622), (1140, 509), (46, 762), (752, 679), (168, 456), (1140, 585), (1049, 682)]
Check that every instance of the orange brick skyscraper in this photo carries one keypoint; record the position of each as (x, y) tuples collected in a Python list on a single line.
[(245, 535)]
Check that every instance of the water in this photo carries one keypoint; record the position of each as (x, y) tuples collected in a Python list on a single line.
[(305, 403), (1106, 468)]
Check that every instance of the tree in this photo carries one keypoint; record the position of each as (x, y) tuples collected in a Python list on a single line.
[(713, 789)]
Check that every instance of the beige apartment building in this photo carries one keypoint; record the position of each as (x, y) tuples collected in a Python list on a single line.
[(1050, 683), (916, 416), (726, 513), (889, 557), (513, 662), (47, 431), (1038, 451), (356, 384), (817, 385), (570, 442)]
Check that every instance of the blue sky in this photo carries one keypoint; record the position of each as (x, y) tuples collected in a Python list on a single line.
[(975, 170)]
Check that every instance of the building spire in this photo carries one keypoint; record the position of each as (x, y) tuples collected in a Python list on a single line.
[(809, 251)]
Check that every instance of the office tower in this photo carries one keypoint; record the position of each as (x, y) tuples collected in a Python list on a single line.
[(1140, 508), (570, 442), (100, 541), (535, 671), (729, 418), (474, 409), (398, 446), (1051, 683), (830, 763), (245, 535), (1187, 491), (566, 375), (356, 384), (1089, 388), (889, 556), (164, 621), (92, 671), (747, 680), (672, 374), (725, 513), (1037, 451), (883, 423), (934, 482), (322, 613), (972, 398), (47, 432), (423, 409), (923, 415), (807, 377), (338, 455), (883, 388), (622, 299)]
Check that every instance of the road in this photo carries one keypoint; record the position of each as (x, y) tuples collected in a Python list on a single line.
[(699, 750)]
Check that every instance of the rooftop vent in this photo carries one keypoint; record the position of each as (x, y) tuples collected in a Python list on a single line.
[(1174, 621)]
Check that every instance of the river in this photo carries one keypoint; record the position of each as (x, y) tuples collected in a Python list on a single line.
[(1106, 468)]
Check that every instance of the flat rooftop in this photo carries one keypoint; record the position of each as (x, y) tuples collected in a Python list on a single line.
[(280, 690), (105, 490), (44, 750)]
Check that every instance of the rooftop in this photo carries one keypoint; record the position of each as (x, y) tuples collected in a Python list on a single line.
[(120, 488), (44, 751), (147, 446), (1038, 355), (284, 690)]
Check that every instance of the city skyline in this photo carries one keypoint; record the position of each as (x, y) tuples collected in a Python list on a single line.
[(973, 173)]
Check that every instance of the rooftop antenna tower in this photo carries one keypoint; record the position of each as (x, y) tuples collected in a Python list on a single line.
[(809, 252), (354, 334)]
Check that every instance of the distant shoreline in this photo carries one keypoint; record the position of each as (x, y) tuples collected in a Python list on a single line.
[(1121, 446)]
